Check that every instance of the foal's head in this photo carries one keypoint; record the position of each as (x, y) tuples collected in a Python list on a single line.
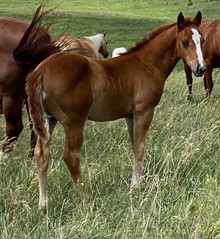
[(189, 41), (103, 47)]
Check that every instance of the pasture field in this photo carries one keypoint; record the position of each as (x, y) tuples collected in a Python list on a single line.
[(180, 195)]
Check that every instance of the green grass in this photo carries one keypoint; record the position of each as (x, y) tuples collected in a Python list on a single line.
[(179, 197)]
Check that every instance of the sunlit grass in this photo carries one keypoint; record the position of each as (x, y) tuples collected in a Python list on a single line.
[(177, 199)]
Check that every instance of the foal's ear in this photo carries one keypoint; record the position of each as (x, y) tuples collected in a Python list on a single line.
[(104, 34), (180, 21), (198, 18)]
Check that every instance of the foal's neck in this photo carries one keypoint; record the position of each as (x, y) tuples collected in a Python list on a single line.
[(163, 50)]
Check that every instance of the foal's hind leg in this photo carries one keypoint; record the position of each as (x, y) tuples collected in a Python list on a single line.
[(12, 109), (42, 154)]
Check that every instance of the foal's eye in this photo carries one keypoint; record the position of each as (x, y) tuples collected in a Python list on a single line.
[(185, 43)]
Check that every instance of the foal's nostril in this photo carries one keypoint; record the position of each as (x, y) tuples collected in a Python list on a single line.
[(201, 69)]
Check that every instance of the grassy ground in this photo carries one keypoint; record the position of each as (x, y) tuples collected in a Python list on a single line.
[(179, 197)]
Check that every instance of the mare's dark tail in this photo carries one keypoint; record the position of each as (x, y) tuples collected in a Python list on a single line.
[(36, 43)]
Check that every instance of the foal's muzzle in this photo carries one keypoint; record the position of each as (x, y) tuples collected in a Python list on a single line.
[(200, 70)]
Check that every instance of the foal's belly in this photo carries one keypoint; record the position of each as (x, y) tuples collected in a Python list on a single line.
[(109, 110)]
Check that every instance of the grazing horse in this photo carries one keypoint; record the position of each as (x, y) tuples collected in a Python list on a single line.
[(211, 53), (72, 89), (87, 46), (118, 51)]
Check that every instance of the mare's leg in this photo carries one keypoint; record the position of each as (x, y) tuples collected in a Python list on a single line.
[(42, 155), (208, 82), (12, 109), (142, 121), (74, 140), (189, 80)]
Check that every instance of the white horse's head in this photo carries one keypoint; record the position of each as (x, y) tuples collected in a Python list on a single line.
[(100, 42)]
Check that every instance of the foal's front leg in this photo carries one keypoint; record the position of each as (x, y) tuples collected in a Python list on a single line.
[(142, 121)]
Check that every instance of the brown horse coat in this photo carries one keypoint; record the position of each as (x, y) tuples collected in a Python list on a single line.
[(12, 78), (72, 88)]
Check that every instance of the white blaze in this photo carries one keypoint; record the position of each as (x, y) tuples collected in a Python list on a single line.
[(196, 38)]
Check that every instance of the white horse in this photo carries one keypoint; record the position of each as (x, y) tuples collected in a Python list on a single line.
[(117, 51), (87, 46)]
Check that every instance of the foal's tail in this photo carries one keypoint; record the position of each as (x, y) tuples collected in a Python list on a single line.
[(36, 94)]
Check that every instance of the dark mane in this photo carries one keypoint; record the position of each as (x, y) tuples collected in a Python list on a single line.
[(149, 37), (153, 34)]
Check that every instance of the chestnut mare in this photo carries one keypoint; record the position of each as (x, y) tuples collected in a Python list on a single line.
[(22, 48), (211, 53), (87, 46), (13, 75), (12, 78), (72, 89)]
